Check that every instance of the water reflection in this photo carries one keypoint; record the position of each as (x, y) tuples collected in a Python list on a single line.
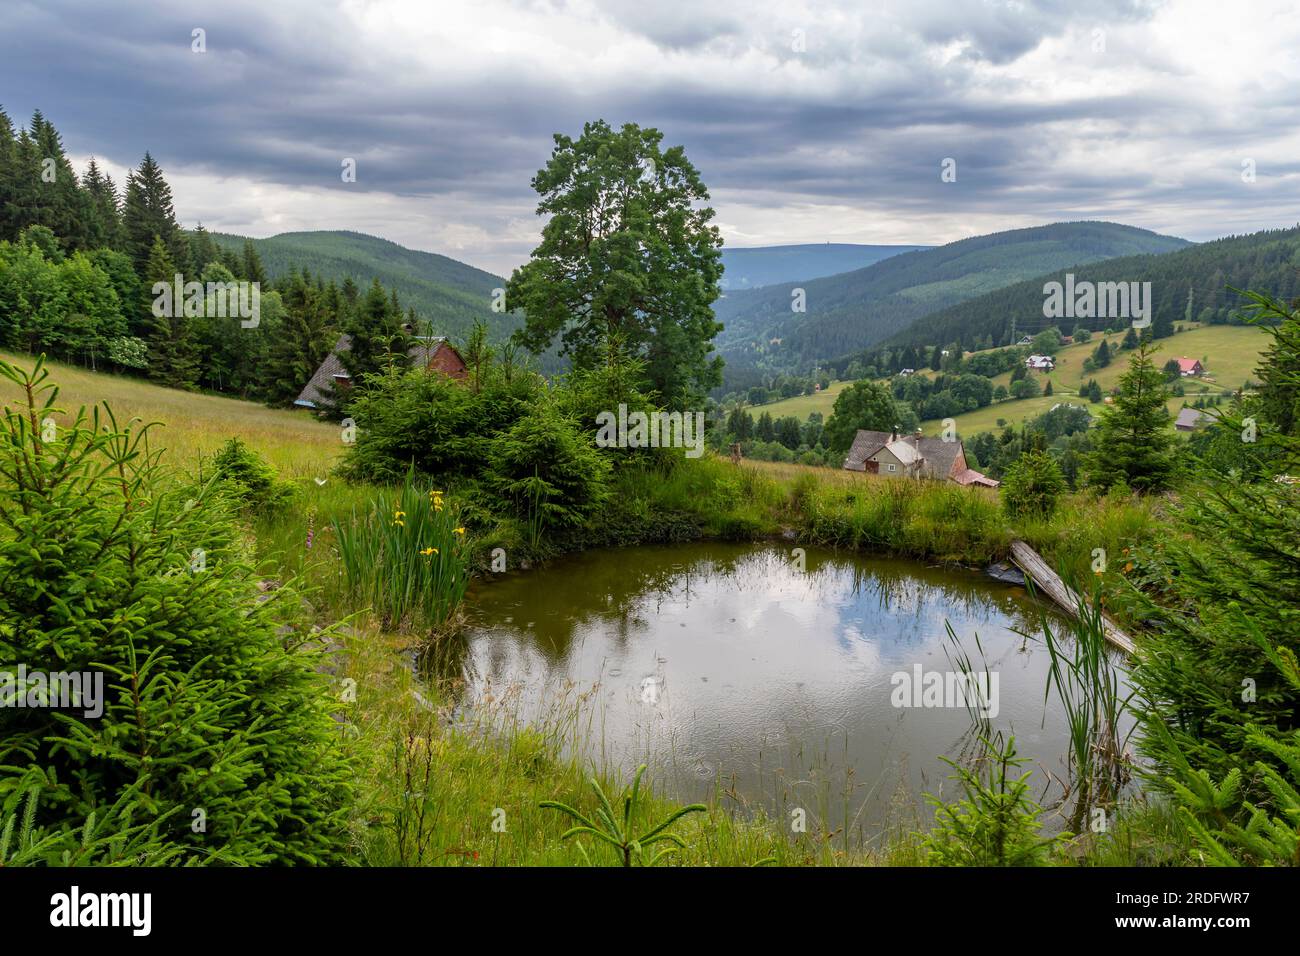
[(727, 664)]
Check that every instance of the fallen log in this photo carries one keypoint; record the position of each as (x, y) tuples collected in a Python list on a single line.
[(1050, 583)]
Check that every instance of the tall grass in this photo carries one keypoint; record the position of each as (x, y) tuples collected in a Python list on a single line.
[(405, 556), (1090, 686)]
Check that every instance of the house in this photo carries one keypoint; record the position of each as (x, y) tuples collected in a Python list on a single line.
[(1026, 340), (1189, 418), (1043, 363), (912, 456), (1188, 366), (433, 354), (907, 371)]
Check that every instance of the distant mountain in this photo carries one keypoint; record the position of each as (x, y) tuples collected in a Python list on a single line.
[(448, 293), (855, 310), (1195, 278), (764, 265)]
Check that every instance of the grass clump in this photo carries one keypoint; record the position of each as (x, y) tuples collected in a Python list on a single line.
[(405, 556)]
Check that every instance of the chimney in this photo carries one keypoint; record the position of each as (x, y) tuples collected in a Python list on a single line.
[(893, 435)]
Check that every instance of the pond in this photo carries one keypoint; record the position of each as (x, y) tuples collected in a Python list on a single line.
[(787, 683)]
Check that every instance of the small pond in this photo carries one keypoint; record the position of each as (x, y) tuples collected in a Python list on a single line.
[(731, 666)]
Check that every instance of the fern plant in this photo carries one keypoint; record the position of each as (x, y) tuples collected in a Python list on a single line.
[(608, 828)]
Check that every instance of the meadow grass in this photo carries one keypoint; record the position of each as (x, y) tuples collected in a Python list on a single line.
[(299, 446), (435, 771)]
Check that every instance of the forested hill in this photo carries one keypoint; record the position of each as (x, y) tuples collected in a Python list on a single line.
[(756, 266), (858, 309), (448, 293), (1193, 280)]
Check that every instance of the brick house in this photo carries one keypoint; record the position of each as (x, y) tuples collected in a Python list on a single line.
[(432, 354), (912, 456)]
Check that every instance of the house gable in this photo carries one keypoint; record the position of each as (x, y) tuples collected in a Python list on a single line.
[(433, 354)]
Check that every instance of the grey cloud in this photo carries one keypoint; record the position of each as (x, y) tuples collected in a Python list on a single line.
[(860, 120)]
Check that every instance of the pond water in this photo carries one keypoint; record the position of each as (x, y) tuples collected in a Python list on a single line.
[(732, 666)]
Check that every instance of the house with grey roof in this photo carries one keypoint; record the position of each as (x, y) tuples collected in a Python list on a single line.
[(891, 455), (432, 353), (1189, 418)]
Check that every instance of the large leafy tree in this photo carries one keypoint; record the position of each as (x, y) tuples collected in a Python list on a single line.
[(862, 405), (628, 252), (1134, 443)]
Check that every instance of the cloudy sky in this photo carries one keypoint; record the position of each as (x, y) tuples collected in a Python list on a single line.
[(810, 121)]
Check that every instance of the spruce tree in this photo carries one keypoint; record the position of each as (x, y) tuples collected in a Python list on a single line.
[(1101, 354), (8, 178), (148, 213), (1133, 442), (104, 211), (253, 271), (377, 336), (213, 731), (64, 207), (203, 250), (172, 352), (305, 338)]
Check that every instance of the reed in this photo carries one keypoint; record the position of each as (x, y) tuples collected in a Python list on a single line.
[(405, 556)]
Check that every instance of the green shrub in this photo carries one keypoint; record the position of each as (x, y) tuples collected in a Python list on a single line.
[(545, 472), (249, 478), (1033, 486), (212, 723), (996, 824), (442, 427)]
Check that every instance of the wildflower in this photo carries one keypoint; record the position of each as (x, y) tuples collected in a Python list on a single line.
[(458, 530), (428, 551), (397, 518), (1128, 567)]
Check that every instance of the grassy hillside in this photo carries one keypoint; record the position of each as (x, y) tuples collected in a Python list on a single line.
[(1229, 354), (764, 265), (193, 424), (1195, 279), (858, 309), (449, 293)]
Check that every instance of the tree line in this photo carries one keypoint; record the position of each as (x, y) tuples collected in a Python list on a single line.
[(79, 260)]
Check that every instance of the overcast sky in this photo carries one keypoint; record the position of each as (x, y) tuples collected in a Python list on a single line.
[(809, 121)]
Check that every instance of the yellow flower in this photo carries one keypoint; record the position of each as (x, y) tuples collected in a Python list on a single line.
[(458, 530), (428, 551)]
